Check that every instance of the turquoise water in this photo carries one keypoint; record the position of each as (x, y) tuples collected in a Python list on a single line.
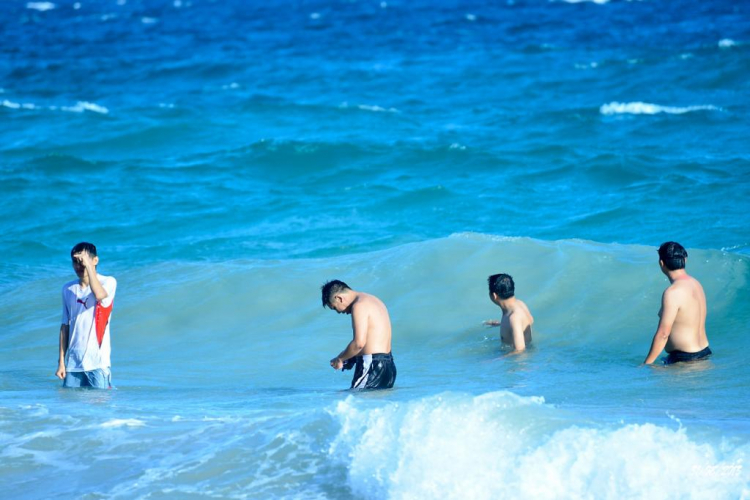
[(228, 158)]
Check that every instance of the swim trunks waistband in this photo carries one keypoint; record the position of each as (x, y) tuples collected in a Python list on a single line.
[(680, 356)]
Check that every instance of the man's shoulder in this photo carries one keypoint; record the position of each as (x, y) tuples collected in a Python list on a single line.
[(69, 285), (678, 291), (107, 279)]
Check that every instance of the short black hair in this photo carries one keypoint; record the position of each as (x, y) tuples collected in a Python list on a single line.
[(673, 255), (330, 289), (502, 285), (89, 247)]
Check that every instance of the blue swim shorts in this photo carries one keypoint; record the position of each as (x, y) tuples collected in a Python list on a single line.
[(101, 378)]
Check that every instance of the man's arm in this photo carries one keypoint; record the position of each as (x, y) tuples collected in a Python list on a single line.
[(64, 330), (516, 328), (359, 325), (669, 308), (98, 290)]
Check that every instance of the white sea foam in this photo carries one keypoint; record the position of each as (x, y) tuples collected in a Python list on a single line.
[(471, 17), (727, 43), (40, 6), (16, 105), (644, 108), (370, 107), (76, 5), (123, 422), (500, 445), (82, 106), (591, 65)]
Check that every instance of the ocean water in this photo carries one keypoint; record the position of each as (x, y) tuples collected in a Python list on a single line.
[(229, 157)]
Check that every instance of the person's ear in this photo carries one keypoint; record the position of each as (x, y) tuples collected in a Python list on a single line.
[(95, 260), (494, 296)]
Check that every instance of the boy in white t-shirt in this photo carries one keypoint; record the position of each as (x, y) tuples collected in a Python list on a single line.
[(84, 332)]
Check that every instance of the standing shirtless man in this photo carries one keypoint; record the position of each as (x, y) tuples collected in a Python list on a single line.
[(682, 323), (515, 326), (370, 349)]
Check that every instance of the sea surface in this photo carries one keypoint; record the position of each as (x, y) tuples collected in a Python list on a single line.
[(229, 157)]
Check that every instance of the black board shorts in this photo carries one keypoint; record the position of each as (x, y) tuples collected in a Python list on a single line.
[(373, 371), (680, 356)]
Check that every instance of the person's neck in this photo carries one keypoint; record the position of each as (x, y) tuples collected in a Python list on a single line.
[(507, 304), (677, 274), (354, 296)]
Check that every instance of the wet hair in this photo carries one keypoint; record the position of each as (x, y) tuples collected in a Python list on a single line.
[(673, 255), (502, 285), (330, 289), (89, 247)]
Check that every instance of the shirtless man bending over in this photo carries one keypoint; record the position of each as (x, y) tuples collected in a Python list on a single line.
[(515, 326), (682, 323), (370, 349)]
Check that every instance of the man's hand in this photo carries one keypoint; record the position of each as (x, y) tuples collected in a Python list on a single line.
[(491, 322), (83, 257), (337, 363), (60, 373)]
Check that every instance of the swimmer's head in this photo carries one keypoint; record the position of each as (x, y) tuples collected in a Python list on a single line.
[(673, 255), (502, 285), (332, 295)]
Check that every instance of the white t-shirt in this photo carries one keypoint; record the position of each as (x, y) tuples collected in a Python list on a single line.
[(84, 352)]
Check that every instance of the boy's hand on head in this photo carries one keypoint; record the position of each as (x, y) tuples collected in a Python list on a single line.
[(83, 257)]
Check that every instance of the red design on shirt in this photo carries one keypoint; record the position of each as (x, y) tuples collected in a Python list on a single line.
[(101, 319)]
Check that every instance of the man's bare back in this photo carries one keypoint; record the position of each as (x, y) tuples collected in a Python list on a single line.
[(515, 325), (520, 317), (689, 326), (682, 317), (370, 313)]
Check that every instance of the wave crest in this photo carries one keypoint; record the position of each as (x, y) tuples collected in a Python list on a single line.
[(644, 108), (500, 445)]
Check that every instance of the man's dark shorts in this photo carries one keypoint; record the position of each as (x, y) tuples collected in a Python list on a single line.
[(680, 356), (373, 371)]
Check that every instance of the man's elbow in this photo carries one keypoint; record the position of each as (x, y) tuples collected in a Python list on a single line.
[(662, 334), (101, 296)]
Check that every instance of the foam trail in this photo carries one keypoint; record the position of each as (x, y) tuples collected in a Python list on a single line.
[(82, 106), (123, 422), (644, 108), (40, 6)]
